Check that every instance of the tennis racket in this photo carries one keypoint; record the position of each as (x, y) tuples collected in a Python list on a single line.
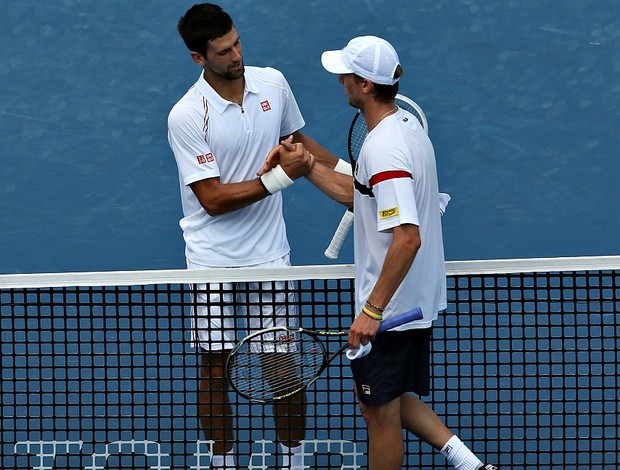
[(357, 134), (273, 364)]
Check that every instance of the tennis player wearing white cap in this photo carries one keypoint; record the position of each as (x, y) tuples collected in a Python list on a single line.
[(399, 257)]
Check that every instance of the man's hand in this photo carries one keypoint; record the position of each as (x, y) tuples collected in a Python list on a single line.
[(294, 159), (363, 330)]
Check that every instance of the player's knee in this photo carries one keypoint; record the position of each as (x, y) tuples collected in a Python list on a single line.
[(381, 415)]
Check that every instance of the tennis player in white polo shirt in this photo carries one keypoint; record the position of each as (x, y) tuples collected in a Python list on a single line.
[(399, 257), (220, 132)]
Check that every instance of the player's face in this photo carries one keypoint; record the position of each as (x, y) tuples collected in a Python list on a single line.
[(224, 56), (351, 89)]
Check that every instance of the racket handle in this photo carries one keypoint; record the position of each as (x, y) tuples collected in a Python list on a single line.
[(341, 233), (400, 319)]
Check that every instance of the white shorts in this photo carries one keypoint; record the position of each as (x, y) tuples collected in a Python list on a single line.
[(223, 313)]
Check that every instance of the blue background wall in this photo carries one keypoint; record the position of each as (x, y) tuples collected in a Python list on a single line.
[(522, 99)]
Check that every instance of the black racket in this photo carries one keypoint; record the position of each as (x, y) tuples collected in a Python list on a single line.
[(275, 363), (357, 133)]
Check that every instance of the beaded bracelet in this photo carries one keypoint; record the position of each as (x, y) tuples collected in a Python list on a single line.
[(373, 315), (375, 307)]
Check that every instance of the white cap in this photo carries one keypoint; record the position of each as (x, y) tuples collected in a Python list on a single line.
[(369, 57)]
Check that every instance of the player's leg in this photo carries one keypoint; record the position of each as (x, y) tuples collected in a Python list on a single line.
[(216, 416), (420, 419), (274, 304), (416, 416), (213, 324), (381, 377), (289, 414), (385, 439), (290, 417)]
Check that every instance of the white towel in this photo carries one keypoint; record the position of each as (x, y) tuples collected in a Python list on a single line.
[(444, 199), (358, 352)]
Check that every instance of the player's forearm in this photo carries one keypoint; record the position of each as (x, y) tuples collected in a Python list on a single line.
[(321, 154), (337, 186), (218, 199), (397, 262)]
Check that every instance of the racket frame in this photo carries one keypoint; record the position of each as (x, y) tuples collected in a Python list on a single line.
[(393, 322)]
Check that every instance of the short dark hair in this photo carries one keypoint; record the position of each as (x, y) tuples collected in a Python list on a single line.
[(202, 23), (385, 93)]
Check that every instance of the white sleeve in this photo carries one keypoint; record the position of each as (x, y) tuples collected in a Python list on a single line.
[(194, 157), (396, 204), (292, 120), (393, 187)]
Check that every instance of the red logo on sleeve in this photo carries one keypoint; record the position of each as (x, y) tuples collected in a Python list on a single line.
[(265, 105), (208, 158)]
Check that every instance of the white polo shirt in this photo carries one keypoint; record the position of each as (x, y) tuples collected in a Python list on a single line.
[(212, 137), (396, 184)]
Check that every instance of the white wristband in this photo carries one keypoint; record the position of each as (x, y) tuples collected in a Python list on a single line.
[(276, 180), (343, 167)]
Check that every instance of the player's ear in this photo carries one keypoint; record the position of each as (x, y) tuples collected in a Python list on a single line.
[(197, 57), (367, 86)]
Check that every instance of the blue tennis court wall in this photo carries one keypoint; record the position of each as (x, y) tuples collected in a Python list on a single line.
[(522, 99)]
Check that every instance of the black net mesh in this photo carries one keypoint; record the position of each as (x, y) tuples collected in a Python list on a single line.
[(525, 370)]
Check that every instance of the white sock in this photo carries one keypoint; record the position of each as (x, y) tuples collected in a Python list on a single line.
[(223, 462), (292, 458), (459, 455)]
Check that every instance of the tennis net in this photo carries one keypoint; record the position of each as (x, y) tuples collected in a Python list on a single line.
[(99, 370)]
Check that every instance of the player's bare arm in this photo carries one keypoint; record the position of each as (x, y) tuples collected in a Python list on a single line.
[(218, 198), (337, 186), (405, 244), (321, 154)]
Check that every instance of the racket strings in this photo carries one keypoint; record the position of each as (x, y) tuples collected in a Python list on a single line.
[(359, 128), (266, 369), (357, 135)]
